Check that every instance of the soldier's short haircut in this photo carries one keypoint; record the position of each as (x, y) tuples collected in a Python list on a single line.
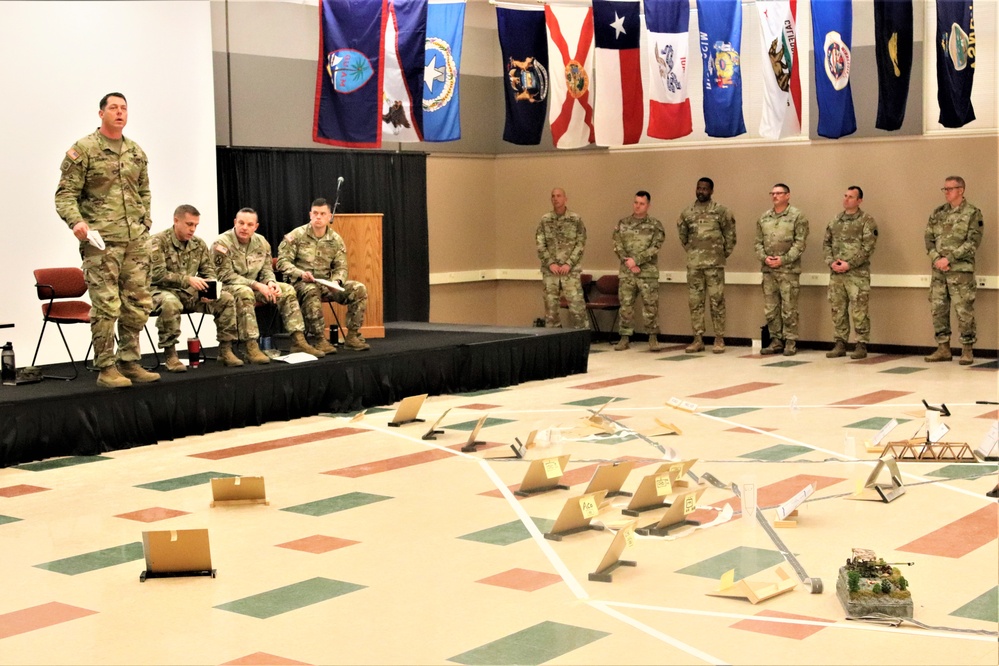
[(956, 179), (320, 202), (246, 209), (643, 193), (104, 100), (860, 192), (787, 190), (185, 209), (707, 180)]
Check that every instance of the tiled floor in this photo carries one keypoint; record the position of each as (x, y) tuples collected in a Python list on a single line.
[(378, 547)]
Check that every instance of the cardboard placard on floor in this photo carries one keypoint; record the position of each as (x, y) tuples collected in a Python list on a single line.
[(171, 553), (239, 490)]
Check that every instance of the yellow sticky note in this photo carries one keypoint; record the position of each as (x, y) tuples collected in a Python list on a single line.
[(689, 504), (675, 471), (629, 537), (727, 579), (663, 485), (588, 506), (552, 469), (859, 488)]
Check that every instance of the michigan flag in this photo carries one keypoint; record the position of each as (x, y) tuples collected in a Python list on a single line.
[(668, 25), (781, 84), (721, 43), (620, 104), (955, 61), (570, 55), (524, 46), (832, 35), (442, 64)]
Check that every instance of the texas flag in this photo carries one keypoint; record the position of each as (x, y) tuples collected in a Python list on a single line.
[(668, 24), (620, 112), (570, 56)]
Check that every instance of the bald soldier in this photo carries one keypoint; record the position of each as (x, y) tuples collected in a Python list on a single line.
[(561, 239)]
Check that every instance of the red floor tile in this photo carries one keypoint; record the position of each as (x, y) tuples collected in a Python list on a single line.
[(783, 629), (262, 658), (746, 431), (630, 379), (317, 544), (871, 398), (151, 515), (875, 359), (961, 536), (221, 454), (479, 405), (23, 489), (522, 579), (734, 390), (990, 416), (38, 617)]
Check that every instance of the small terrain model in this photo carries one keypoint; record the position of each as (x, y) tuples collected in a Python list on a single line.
[(868, 585)]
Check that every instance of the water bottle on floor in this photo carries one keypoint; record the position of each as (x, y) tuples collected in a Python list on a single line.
[(9, 366)]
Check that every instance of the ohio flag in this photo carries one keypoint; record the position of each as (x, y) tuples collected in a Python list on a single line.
[(570, 56), (781, 85), (619, 107), (668, 25)]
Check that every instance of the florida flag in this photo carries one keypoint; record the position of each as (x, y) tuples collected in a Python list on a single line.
[(620, 112), (781, 85), (570, 57), (668, 24)]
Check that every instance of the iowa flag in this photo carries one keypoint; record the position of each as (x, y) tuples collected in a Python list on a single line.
[(668, 25), (955, 61), (620, 105), (570, 54), (781, 84)]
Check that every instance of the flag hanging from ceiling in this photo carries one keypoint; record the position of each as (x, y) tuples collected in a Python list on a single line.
[(402, 87), (781, 84), (832, 35), (619, 107), (668, 25), (893, 52), (441, 108), (524, 45), (570, 55), (720, 23), (955, 61)]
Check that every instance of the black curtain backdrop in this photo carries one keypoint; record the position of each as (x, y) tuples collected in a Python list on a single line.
[(280, 184)]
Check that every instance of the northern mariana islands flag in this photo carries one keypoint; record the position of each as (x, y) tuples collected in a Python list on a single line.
[(441, 109)]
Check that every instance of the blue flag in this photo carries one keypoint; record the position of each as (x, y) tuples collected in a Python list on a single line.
[(441, 109), (524, 45), (832, 35), (955, 61), (720, 24), (893, 51)]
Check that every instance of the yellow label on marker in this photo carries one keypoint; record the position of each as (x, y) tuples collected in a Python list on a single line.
[(727, 579), (629, 537), (689, 504), (675, 471), (552, 469), (588, 506), (663, 485)]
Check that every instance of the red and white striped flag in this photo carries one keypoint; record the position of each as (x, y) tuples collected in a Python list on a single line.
[(668, 24), (619, 105), (570, 59)]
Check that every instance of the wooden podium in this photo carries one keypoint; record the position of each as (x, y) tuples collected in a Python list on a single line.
[(362, 234)]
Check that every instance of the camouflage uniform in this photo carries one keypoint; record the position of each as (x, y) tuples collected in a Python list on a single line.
[(109, 191), (561, 240), (173, 262), (639, 239), (239, 266), (850, 238), (781, 235), (325, 258), (707, 234), (954, 233)]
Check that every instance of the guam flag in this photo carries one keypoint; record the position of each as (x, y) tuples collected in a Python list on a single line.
[(955, 61), (832, 35), (441, 111), (524, 45), (668, 23), (893, 51), (721, 44)]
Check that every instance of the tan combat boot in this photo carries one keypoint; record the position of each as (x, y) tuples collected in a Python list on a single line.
[(323, 345), (838, 350), (254, 355), (967, 356), (719, 347), (775, 347), (111, 378), (696, 346), (790, 348), (300, 344), (859, 352), (136, 372), (226, 357), (171, 361), (354, 340), (941, 354), (623, 343), (654, 343)]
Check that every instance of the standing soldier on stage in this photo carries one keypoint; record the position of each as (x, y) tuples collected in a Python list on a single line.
[(561, 238), (637, 239), (847, 247), (707, 234)]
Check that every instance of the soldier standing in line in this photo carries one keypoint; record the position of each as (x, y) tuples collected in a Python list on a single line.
[(847, 247), (953, 234), (780, 242), (243, 262), (707, 234), (637, 239), (315, 252), (561, 239), (104, 189), (180, 269)]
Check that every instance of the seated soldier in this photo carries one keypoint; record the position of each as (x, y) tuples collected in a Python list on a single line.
[(180, 268), (314, 252), (243, 261)]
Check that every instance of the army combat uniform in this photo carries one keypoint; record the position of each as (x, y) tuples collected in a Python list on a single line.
[(954, 233), (781, 235), (707, 234), (639, 239), (850, 238), (561, 239)]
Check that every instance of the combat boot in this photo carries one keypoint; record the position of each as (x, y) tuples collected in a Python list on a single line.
[(226, 357), (859, 352), (967, 357), (323, 345), (254, 355), (838, 350), (354, 340), (654, 343), (136, 372), (623, 343), (696, 346), (111, 378), (941, 354), (171, 361), (775, 347), (719, 347), (300, 344), (790, 348)]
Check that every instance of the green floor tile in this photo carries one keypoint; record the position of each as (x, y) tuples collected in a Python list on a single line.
[(472, 394), (330, 505), (874, 423), (745, 560), (594, 402), (777, 452), (8, 519), (597, 351), (371, 410), (902, 371), (504, 535), (729, 412), (534, 645), (99, 559), (469, 426), (963, 471), (679, 357), (188, 481), (57, 463), (290, 597), (985, 607), (784, 364)]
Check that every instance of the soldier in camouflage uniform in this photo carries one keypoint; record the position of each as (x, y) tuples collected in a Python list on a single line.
[(180, 269), (847, 247), (637, 240), (243, 262), (561, 238), (104, 188), (315, 252), (707, 234), (780, 241), (953, 234)]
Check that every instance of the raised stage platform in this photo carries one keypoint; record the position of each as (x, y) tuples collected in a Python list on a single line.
[(57, 418)]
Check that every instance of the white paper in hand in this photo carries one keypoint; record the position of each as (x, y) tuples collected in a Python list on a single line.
[(94, 237), (329, 284)]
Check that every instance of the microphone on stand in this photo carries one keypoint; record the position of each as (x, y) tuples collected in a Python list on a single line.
[(339, 183)]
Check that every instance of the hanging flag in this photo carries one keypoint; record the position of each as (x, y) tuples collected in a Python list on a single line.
[(955, 61), (570, 45), (720, 23), (524, 46), (349, 74), (441, 108), (832, 35), (619, 105), (781, 83), (893, 51), (402, 87), (668, 25)]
